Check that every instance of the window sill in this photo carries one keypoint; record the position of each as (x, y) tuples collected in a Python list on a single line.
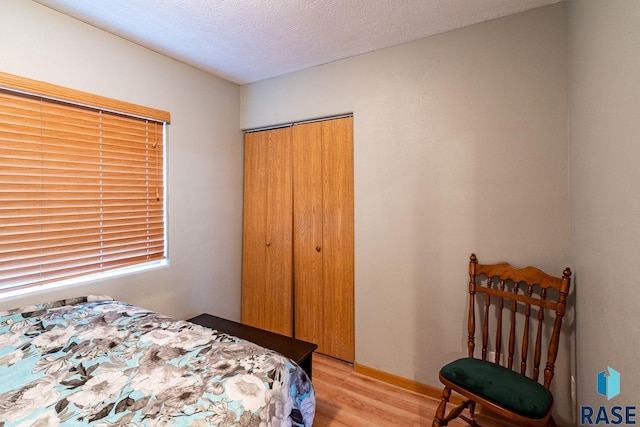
[(84, 280)]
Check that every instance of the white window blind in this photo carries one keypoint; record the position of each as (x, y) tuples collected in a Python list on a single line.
[(81, 188)]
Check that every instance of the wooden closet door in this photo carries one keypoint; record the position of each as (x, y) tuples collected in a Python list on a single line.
[(323, 236), (338, 237), (307, 230), (267, 288)]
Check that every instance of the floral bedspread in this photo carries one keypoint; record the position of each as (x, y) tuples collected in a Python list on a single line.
[(94, 361)]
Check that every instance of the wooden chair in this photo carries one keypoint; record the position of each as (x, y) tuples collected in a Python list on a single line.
[(524, 293)]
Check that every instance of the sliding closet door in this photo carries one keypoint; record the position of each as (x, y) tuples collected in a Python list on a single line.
[(267, 288), (323, 236), (307, 231), (337, 231)]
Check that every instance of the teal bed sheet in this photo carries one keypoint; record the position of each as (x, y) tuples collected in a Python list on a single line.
[(95, 361)]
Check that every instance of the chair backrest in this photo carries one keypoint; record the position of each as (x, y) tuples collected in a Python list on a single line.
[(516, 291)]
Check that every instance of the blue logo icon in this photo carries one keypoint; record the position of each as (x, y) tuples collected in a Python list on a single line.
[(609, 385)]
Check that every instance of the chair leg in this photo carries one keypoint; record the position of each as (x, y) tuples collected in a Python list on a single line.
[(438, 420), (472, 413)]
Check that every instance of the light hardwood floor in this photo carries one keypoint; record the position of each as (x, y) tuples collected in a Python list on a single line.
[(345, 398)]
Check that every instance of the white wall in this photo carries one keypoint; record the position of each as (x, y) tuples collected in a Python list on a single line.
[(460, 146), (204, 153), (604, 104)]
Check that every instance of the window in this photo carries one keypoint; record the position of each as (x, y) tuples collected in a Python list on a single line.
[(81, 183)]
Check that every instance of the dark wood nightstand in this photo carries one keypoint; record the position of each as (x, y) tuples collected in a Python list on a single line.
[(299, 351)]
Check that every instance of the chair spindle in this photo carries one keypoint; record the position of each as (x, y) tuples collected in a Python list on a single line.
[(512, 330), (525, 334), (498, 344), (538, 349), (485, 324)]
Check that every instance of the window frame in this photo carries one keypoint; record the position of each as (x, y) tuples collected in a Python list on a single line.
[(49, 92)]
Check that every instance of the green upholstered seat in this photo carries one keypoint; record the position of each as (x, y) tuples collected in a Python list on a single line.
[(500, 385)]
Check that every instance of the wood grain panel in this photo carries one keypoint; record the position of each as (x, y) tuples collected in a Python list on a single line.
[(267, 289), (307, 229), (301, 271), (338, 238), (279, 243), (254, 250)]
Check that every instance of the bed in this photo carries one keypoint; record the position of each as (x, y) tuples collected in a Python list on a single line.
[(96, 361)]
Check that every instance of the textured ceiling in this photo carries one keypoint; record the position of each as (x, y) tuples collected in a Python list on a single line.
[(249, 40)]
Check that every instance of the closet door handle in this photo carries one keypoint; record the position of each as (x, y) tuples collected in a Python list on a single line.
[(318, 248), (268, 243)]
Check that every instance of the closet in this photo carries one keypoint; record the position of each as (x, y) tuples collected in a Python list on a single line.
[(298, 251)]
